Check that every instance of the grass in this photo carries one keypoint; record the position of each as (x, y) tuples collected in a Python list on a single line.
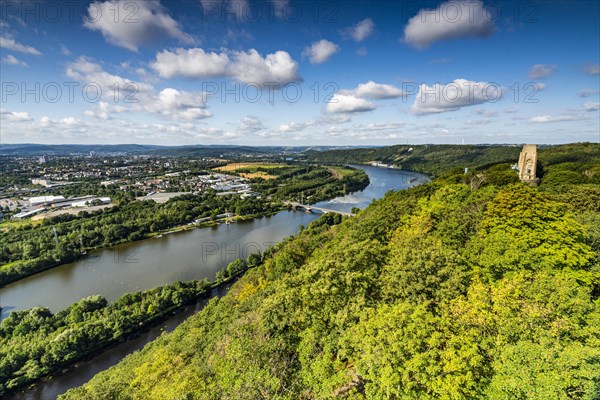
[(17, 223), (340, 172)]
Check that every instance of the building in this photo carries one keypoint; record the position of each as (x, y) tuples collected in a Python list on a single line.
[(43, 159), (36, 201), (26, 214), (87, 203)]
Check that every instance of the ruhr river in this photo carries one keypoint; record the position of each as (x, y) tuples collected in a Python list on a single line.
[(181, 256)]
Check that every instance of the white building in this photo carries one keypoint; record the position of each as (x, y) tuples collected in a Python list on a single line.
[(86, 203), (36, 201)]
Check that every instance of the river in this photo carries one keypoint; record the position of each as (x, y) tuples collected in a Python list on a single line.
[(180, 256)]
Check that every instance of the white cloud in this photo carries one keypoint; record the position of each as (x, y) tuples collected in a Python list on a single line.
[(136, 96), (281, 8), (591, 106), (320, 51), (557, 118), (592, 69), (380, 126), (374, 90), (541, 71), (451, 20), (539, 86), (341, 103), (104, 110), (248, 67), (361, 30), (588, 93), (487, 113), (295, 126), (133, 23), (12, 60), (478, 122), (453, 96), (191, 63), (64, 50), (362, 51), (70, 121), (251, 67), (327, 119), (71, 124), (6, 42), (15, 116), (250, 124)]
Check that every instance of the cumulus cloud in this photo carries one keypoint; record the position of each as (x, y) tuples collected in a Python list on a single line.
[(12, 60), (372, 90), (250, 124), (136, 96), (7, 42), (14, 116), (453, 96), (451, 20), (592, 69), (361, 30), (245, 66), (133, 23), (320, 51), (541, 71), (71, 124), (342, 103), (104, 110)]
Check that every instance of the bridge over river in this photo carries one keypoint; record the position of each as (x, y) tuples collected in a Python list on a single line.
[(321, 209)]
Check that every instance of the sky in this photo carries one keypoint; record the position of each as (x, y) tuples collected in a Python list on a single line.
[(292, 73)]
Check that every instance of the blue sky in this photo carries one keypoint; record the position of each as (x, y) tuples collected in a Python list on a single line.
[(285, 72)]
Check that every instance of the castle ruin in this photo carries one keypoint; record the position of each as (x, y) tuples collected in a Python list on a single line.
[(528, 165)]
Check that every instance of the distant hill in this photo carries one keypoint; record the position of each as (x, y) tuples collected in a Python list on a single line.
[(438, 159), (30, 149)]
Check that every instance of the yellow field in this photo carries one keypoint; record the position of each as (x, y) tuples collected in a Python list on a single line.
[(262, 175), (233, 167)]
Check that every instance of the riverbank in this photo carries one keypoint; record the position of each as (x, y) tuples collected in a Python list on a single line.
[(193, 254), (69, 246), (12, 329)]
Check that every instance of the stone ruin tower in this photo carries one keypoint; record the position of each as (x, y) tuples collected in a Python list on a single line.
[(528, 165)]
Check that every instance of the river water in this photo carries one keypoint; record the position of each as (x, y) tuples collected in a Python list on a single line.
[(181, 256)]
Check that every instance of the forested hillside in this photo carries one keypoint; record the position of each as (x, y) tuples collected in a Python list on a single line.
[(436, 160), (437, 292)]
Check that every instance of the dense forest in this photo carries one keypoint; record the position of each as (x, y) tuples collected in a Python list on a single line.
[(29, 248), (437, 160), (444, 291), (36, 342)]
